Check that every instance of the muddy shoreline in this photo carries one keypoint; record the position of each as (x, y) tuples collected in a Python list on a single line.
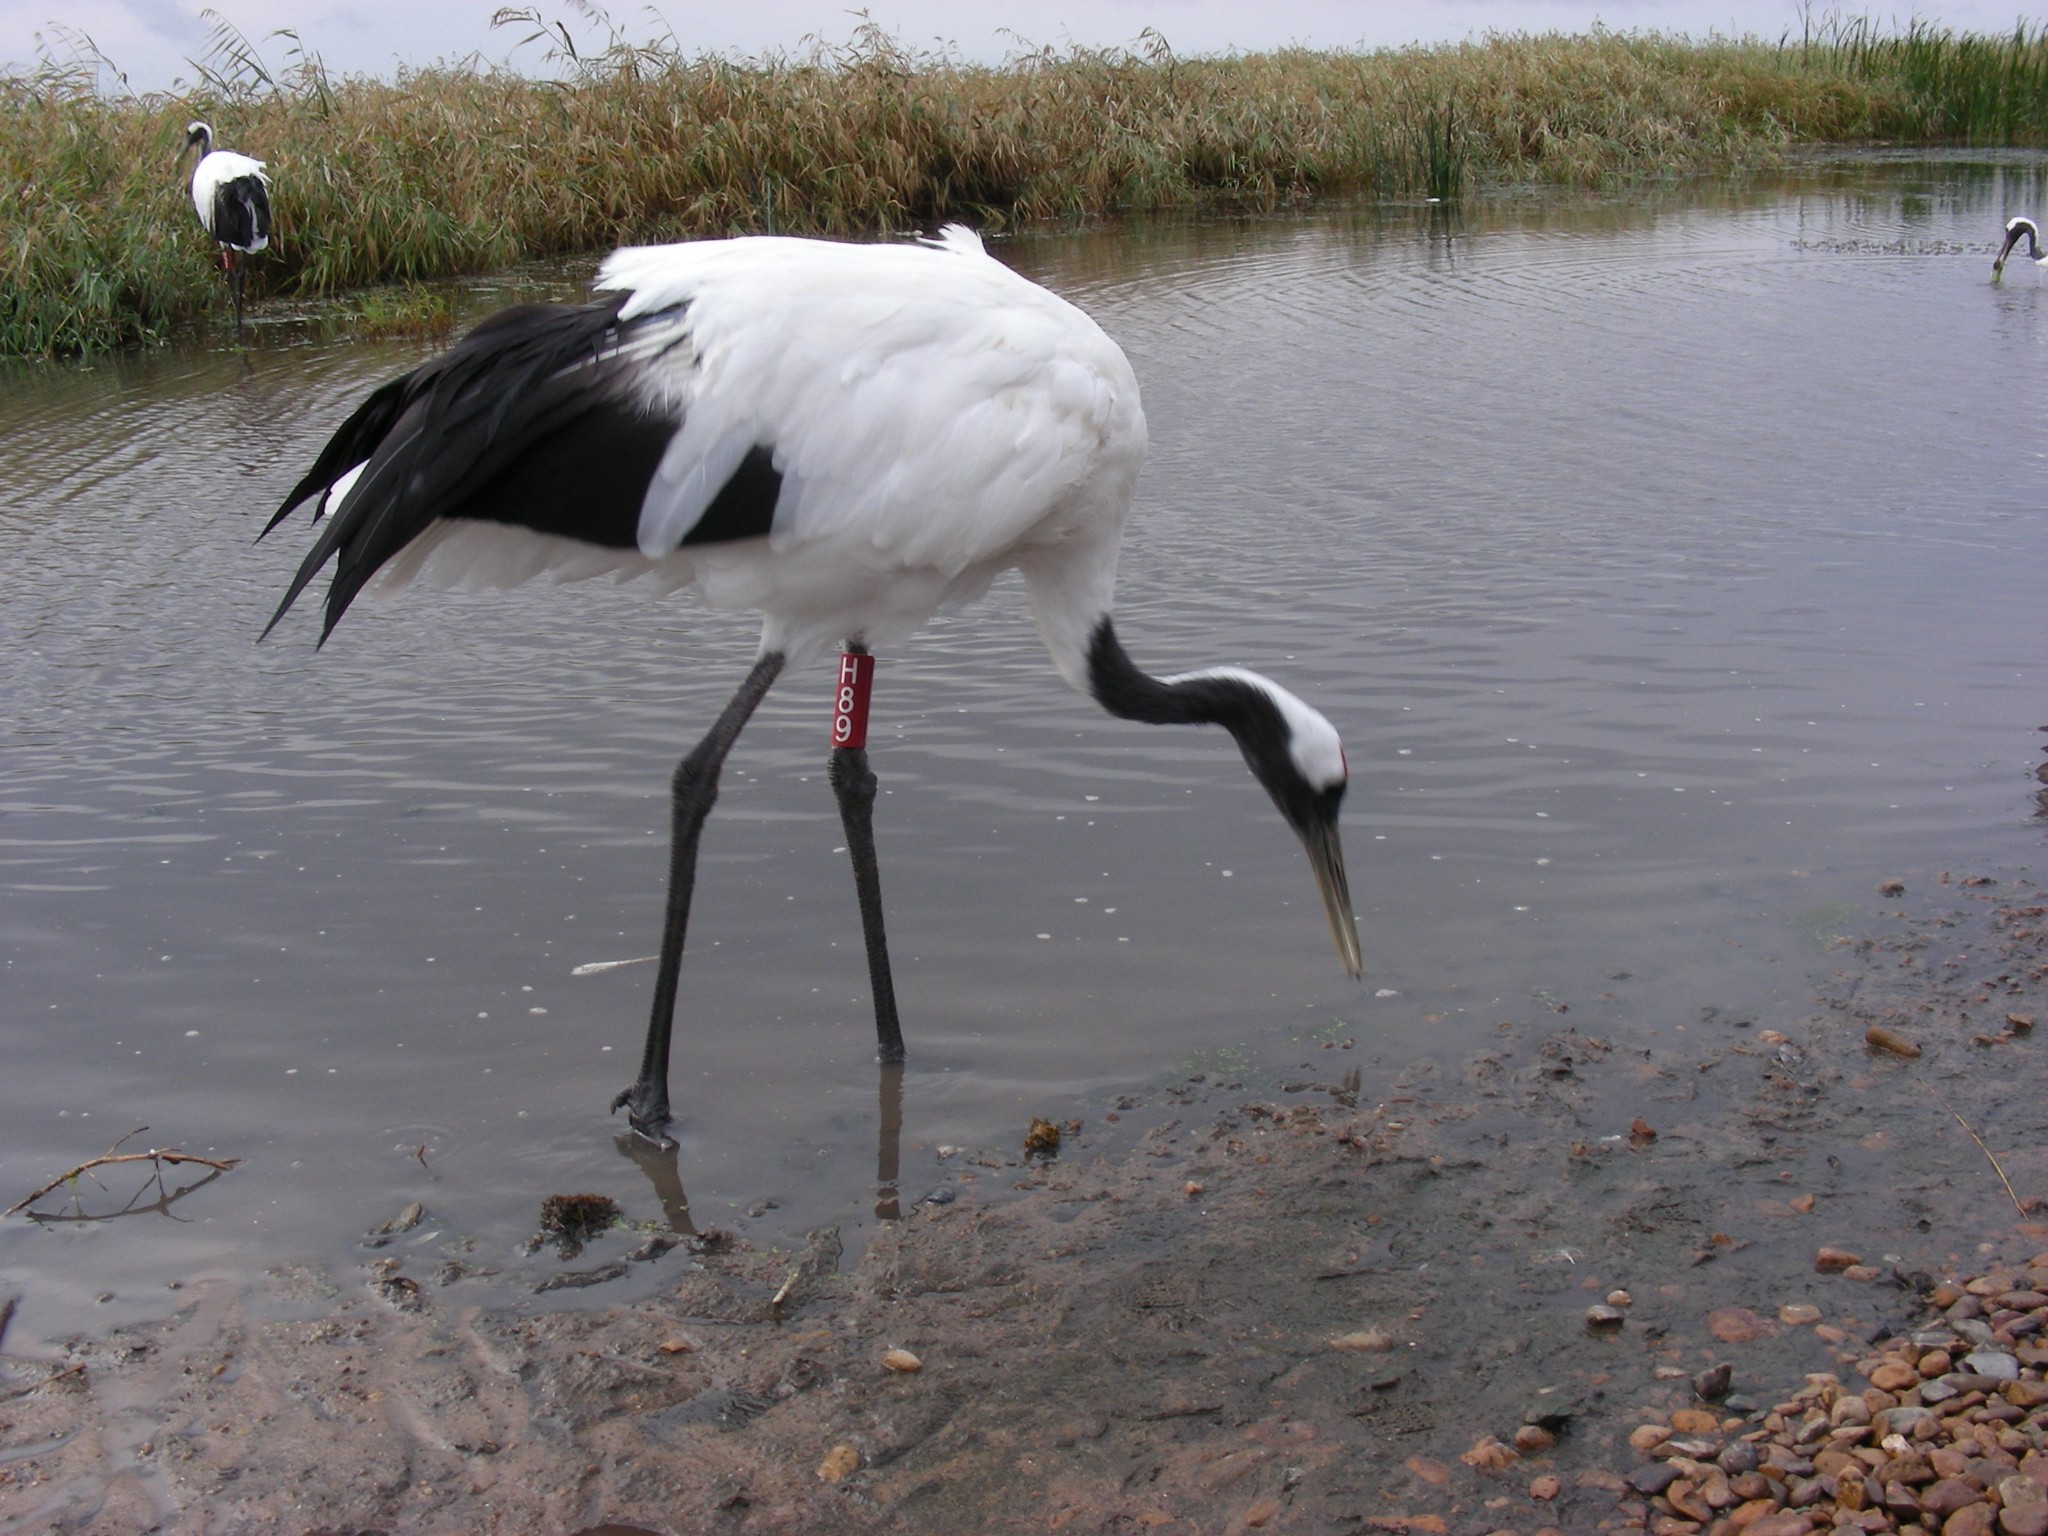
[(1289, 1309)]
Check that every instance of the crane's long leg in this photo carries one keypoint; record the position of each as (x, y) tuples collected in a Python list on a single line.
[(889, 1143), (854, 783), (234, 262), (692, 794)]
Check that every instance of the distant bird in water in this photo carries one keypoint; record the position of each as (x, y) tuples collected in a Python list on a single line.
[(845, 439), (2017, 230), (232, 195)]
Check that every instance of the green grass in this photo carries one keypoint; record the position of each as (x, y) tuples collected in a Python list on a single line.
[(446, 172), (410, 309)]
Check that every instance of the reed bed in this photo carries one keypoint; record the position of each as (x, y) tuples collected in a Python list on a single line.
[(448, 171)]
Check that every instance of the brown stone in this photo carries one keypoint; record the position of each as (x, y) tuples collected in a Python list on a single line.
[(1785, 1523), (1902, 1501), (1695, 1421), (1544, 1488), (1685, 1499), (1972, 1520), (2024, 1520), (1434, 1473), (2020, 1490), (1893, 1376), (1745, 1516), (1739, 1325), (1943, 1498), (1489, 1455)]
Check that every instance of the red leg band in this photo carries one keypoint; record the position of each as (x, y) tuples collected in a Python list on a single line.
[(850, 699)]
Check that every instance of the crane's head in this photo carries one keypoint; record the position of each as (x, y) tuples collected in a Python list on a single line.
[(1297, 755), (2017, 230), (1290, 748), (197, 136)]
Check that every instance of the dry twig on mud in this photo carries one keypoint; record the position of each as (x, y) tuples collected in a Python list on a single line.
[(2018, 1204), (159, 1156)]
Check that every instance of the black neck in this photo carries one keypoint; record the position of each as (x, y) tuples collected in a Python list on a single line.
[(1250, 713), (1130, 694)]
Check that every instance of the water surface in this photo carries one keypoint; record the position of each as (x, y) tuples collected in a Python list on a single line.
[(1672, 563)]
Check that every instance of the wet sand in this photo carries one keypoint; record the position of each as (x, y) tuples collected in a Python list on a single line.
[(1291, 1306)]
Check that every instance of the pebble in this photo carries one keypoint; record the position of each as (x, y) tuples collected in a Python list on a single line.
[(1880, 1038), (1365, 1341), (1489, 1455), (1798, 1314), (1653, 1479), (1930, 1439), (902, 1360), (1995, 1363), (1600, 1315)]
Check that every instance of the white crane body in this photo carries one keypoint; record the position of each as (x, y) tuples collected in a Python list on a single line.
[(845, 439)]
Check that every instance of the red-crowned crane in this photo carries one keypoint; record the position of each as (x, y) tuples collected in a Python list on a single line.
[(231, 194), (2017, 230), (843, 438)]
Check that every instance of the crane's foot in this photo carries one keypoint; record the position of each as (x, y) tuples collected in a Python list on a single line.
[(646, 1106)]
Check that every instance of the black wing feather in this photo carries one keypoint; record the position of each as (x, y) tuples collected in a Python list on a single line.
[(241, 212), (431, 438)]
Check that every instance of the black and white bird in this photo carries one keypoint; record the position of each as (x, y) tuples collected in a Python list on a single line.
[(843, 438), (231, 194), (2017, 230)]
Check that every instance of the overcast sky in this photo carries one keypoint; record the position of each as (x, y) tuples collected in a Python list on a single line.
[(152, 40)]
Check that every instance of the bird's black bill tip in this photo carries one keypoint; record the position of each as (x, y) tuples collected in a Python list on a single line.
[(1326, 860)]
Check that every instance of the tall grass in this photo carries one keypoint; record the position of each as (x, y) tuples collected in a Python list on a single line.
[(1943, 86), (449, 171)]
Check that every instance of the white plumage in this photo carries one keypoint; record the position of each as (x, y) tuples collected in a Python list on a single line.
[(936, 419), (843, 438), (231, 195)]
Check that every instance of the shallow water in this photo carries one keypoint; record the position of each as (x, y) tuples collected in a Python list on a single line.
[(1671, 562)]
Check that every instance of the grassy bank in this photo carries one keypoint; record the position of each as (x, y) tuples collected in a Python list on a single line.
[(447, 172)]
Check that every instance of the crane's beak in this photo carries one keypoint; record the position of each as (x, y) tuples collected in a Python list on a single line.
[(2005, 250), (1326, 858)]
